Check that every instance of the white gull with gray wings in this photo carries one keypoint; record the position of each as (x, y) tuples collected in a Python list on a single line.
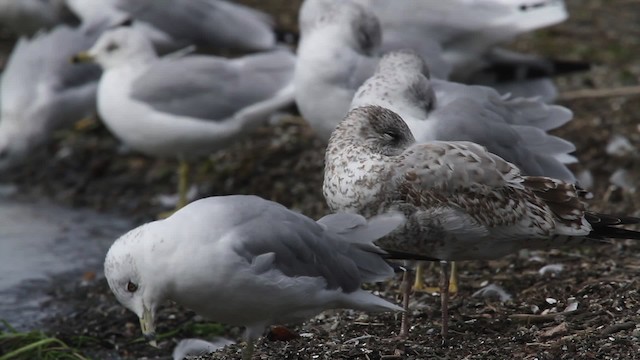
[(246, 261)]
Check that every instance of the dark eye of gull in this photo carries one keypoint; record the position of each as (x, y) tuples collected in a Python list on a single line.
[(131, 287)]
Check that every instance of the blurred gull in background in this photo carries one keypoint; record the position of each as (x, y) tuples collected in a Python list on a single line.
[(338, 53), (186, 106), (470, 32), (215, 23), (42, 91), (245, 261), (97, 16), (26, 17)]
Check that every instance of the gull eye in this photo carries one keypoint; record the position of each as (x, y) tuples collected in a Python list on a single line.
[(392, 137), (131, 287), (111, 47)]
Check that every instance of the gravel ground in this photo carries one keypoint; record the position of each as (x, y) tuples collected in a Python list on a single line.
[(87, 167)]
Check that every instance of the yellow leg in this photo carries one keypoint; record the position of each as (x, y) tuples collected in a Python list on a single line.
[(183, 185), (419, 281), (453, 279), (86, 123)]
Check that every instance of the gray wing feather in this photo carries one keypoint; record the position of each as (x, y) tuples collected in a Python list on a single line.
[(212, 22), (519, 145), (212, 88), (300, 247)]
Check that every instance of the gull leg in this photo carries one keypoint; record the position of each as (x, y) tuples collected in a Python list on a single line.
[(444, 299), (453, 281), (405, 288), (418, 283), (247, 352), (183, 185)]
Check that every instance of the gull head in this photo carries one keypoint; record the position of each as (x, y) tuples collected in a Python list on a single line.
[(376, 129), (130, 274), (405, 61), (116, 47), (358, 26), (401, 83)]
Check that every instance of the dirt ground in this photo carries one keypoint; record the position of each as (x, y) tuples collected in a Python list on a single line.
[(284, 163)]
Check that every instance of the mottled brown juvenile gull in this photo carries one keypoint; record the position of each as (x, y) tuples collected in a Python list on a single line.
[(246, 261), (461, 201), (183, 107), (514, 129)]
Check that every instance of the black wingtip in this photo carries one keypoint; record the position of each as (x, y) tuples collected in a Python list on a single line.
[(399, 255), (604, 226), (504, 72)]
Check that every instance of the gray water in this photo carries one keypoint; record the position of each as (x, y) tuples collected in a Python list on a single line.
[(41, 240)]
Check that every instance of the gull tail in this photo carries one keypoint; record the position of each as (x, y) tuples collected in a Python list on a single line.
[(365, 301), (507, 66), (361, 233)]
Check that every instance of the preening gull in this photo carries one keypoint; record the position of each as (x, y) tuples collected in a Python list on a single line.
[(42, 91), (246, 261), (461, 201), (185, 106)]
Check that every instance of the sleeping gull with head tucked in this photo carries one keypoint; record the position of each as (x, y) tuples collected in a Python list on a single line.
[(188, 106), (461, 201), (246, 261)]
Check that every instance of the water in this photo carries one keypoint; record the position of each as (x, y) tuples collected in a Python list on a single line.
[(40, 240)]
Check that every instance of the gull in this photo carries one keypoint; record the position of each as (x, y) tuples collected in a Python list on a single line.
[(514, 129), (246, 261), (338, 52), (97, 16), (461, 201), (187, 106), (41, 91), (470, 32), (216, 23)]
